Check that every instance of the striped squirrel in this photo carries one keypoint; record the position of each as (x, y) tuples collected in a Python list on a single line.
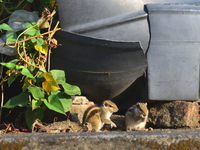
[(98, 116), (136, 117)]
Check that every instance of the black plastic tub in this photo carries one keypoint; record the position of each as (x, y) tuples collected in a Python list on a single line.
[(102, 69)]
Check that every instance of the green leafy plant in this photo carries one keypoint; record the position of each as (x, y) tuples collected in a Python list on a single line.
[(41, 88), (7, 7)]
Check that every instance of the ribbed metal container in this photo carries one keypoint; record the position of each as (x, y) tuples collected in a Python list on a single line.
[(115, 20), (173, 54), (101, 68)]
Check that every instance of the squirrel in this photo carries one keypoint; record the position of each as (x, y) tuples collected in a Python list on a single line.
[(98, 116), (136, 117)]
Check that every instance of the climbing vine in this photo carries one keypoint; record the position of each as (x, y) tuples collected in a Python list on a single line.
[(42, 88)]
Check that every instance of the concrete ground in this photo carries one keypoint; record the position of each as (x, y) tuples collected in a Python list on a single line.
[(178, 139)]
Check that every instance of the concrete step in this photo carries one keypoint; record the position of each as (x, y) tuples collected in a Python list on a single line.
[(137, 140)]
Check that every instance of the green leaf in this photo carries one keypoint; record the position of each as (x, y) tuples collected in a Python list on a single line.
[(39, 42), (27, 73), (20, 100), (54, 104), (31, 32), (9, 65), (33, 40), (54, 100), (12, 65), (26, 25), (37, 33), (11, 79), (42, 69), (27, 83), (36, 27), (59, 76), (31, 116), (6, 27), (36, 92), (36, 104), (30, 0), (14, 61), (31, 68), (33, 23), (65, 99), (71, 89), (11, 37), (17, 67), (40, 77), (67, 104)]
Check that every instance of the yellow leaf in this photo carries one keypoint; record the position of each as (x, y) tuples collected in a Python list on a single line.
[(50, 84), (8, 72), (54, 4), (27, 83), (43, 48), (42, 23)]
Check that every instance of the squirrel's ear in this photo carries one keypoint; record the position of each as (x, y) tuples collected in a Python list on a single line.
[(145, 104), (105, 103)]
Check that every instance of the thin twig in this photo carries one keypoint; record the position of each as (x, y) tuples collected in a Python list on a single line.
[(30, 100), (7, 127), (72, 127), (24, 59), (39, 124), (2, 101), (24, 50), (4, 79), (49, 51), (49, 61), (54, 30), (9, 113), (4, 19), (36, 36), (2, 90)]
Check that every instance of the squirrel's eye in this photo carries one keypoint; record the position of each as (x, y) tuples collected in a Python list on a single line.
[(110, 105)]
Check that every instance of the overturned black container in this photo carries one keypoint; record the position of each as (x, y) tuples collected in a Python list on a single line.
[(102, 69)]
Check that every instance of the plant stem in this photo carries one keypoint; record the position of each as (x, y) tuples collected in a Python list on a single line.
[(3, 79), (24, 50), (29, 38), (39, 58), (25, 60), (54, 30), (4, 19), (2, 100), (2, 91), (49, 54)]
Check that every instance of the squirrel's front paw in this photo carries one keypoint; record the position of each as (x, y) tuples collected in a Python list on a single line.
[(113, 125)]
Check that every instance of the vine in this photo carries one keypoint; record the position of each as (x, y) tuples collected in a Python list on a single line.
[(41, 88)]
